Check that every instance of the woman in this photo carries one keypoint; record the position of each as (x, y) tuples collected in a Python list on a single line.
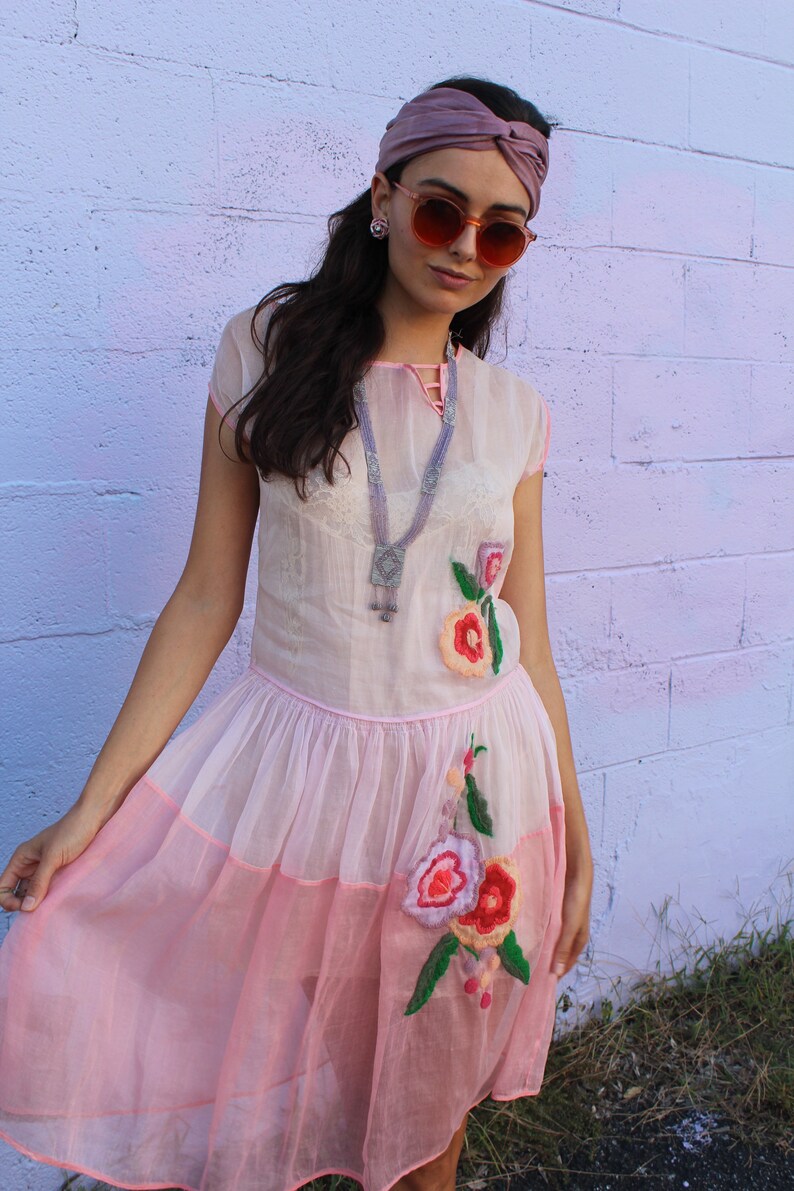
[(308, 933)]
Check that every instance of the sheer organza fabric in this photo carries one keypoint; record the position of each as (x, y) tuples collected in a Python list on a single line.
[(213, 996), (314, 629)]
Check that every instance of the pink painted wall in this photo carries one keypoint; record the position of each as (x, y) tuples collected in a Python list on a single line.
[(160, 175)]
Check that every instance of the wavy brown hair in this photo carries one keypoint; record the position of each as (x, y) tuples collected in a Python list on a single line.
[(322, 332)]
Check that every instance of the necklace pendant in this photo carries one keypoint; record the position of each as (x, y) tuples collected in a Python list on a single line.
[(387, 571), (387, 565)]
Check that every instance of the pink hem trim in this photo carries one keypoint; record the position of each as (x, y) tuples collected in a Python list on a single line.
[(391, 719), (252, 868), (358, 1176)]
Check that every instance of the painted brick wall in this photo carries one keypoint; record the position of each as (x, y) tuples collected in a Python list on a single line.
[(160, 174)]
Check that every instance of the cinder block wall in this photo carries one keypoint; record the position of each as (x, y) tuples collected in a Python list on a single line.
[(160, 174)]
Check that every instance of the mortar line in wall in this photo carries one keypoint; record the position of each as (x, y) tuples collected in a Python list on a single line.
[(677, 750), (752, 221), (106, 575), (744, 606), (640, 568), (706, 655), (694, 150), (662, 357), (677, 465), (663, 34), (216, 130), (689, 99), (27, 489), (702, 655), (126, 625), (669, 704), (613, 457)]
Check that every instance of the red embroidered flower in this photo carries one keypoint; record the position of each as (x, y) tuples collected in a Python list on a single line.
[(464, 642), (490, 921)]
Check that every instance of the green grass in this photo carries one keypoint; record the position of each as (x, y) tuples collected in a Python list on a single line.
[(714, 1031)]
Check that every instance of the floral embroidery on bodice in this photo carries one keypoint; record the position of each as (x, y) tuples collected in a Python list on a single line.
[(313, 628)]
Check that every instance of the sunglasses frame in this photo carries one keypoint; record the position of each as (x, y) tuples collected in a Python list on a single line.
[(480, 224)]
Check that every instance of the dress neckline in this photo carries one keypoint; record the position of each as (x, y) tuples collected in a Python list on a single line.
[(395, 364), (435, 401)]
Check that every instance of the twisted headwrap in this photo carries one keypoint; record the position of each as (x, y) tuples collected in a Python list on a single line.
[(445, 118)]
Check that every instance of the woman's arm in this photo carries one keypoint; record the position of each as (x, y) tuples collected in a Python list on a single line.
[(524, 589), (192, 629)]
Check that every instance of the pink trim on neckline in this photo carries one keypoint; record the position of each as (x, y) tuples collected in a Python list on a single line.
[(392, 364), (443, 373)]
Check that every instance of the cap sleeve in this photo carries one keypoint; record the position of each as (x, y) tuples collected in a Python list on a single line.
[(538, 432), (238, 364), (226, 380)]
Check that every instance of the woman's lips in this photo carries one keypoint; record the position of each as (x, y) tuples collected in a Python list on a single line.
[(448, 280)]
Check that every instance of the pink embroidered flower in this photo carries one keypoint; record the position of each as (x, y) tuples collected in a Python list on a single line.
[(491, 919), (464, 642), (489, 562), (446, 880)]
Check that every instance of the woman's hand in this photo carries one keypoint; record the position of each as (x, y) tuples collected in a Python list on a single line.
[(38, 858), (575, 912)]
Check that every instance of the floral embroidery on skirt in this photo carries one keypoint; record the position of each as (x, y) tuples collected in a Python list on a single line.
[(477, 899)]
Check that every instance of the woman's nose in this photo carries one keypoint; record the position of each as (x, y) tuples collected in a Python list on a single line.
[(466, 244)]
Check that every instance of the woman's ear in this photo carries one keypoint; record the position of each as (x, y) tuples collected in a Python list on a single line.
[(381, 194)]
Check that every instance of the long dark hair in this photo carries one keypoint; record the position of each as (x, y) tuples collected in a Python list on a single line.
[(323, 331)]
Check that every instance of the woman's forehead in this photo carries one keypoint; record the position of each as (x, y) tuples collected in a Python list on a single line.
[(483, 175)]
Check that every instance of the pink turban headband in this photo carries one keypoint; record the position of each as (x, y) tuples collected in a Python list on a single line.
[(446, 118)]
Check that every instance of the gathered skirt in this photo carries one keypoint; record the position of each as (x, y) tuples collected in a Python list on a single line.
[(307, 943)]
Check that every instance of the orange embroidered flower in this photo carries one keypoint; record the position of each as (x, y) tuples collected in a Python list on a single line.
[(464, 642), (457, 780), (490, 921)]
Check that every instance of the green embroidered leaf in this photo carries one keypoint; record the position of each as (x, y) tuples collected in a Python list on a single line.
[(494, 638), (478, 807), (481, 748), (433, 969), (474, 952), (513, 959), (466, 581)]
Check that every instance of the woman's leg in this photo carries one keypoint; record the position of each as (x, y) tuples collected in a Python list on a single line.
[(439, 1173)]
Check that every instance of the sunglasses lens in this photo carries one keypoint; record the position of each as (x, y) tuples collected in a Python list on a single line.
[(501, 243), (437, 221)]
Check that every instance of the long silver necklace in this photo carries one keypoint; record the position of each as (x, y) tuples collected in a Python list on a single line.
[(389, 557)]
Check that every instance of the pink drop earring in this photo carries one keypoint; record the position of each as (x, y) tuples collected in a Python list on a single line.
[(379, 228)]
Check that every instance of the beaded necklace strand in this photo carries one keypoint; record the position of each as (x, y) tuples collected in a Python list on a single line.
[(389, 557)]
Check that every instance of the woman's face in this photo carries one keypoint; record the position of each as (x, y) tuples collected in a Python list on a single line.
[(482, 184)]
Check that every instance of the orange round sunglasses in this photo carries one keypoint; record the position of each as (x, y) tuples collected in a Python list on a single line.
[(437, 221)]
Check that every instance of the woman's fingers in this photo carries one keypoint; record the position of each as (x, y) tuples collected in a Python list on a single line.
[(14, 884), (26, 879)]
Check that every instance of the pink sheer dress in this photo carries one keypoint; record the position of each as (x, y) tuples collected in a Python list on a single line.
[(319, 929)]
